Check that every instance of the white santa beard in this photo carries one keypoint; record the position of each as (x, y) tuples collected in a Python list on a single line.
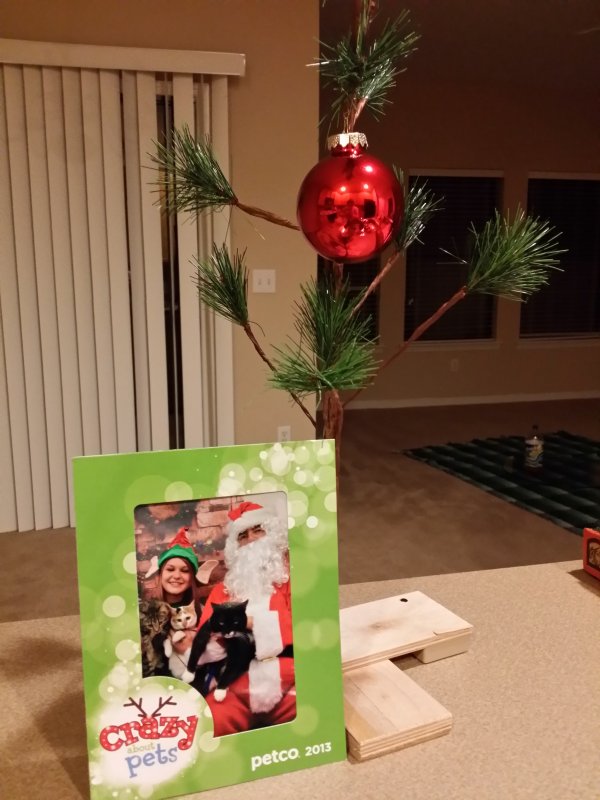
[(255, 568)]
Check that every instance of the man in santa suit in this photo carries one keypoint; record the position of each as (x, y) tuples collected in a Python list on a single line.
[(256, 557)]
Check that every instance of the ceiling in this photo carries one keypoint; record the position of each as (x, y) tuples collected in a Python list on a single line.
[(544, 43)]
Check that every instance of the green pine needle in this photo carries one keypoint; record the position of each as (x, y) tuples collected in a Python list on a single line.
[(334, 351), (356, 75), (420, 204), (512, 258), (223, 284), (191, 175)]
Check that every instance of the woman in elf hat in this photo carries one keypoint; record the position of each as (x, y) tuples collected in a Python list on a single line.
[(179, 577), (177, 567)]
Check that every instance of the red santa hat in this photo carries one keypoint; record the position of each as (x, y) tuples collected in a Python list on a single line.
[(245, 516)]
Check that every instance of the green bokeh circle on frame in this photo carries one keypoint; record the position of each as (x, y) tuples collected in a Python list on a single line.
[(147, 489), (178, 492)]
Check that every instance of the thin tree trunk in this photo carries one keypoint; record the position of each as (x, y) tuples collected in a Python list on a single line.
[(333, 421)]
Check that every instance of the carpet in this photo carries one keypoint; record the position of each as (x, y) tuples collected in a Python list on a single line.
[(566, 491)]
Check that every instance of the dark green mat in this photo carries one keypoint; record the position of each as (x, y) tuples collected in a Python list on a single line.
[(566, 491)]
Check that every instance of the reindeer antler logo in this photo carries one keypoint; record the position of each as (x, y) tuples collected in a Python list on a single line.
[(155, 726), (143, 714)]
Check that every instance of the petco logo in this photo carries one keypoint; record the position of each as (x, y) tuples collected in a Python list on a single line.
[(152, 743)]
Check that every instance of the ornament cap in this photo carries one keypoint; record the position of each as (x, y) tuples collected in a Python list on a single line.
[(353, 139)]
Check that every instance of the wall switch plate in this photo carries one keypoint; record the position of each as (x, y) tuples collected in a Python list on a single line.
[(284, 433), (263, 281)]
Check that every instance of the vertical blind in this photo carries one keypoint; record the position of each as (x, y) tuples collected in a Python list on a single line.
[(83, 360)]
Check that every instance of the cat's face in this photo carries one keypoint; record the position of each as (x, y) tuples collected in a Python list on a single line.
[(154, 615), (227, 617), (183, 618)]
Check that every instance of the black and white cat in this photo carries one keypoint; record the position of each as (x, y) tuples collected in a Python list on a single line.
[(230, 624)]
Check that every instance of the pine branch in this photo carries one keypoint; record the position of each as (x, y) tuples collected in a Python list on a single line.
[(223, 284), (333, 352), (512, 258), (416, 334), (420, 204), (223, 287), (391, 261), (362, 75), (190, 175), (250, 334), (193, 180)]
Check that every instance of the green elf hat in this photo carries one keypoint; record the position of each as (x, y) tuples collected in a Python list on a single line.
[(180, 547)]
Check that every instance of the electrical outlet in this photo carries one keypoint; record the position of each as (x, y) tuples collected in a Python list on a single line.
[(284, 433), (263, 281)]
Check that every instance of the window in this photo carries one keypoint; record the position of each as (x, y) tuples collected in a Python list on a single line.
[(432, 276), (570, 304), (359, 276)]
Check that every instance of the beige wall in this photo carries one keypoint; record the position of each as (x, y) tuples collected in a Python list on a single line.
[(273, 129), (516, 131)]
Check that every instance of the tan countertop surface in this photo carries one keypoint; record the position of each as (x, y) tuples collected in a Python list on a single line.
[(525, 700), (525, 697)]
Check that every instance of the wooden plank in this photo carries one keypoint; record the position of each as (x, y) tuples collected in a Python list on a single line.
[(96, 207), (63, 271), (385, 710), (27, 300), (189, 304), (118, 266), (16, 491), (136, 261), (395, 626), (46, 293), (80, 254)]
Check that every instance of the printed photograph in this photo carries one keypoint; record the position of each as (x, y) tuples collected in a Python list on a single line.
[(215, 604)]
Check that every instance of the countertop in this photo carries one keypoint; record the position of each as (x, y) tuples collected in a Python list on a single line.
[(525, 697)]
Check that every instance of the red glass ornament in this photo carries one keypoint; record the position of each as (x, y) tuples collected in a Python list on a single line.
[(350, 204)]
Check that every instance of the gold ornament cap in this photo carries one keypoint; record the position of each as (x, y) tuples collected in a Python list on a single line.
[(344, 139)]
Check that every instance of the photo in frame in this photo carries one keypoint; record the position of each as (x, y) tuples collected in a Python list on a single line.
[(208, 584)]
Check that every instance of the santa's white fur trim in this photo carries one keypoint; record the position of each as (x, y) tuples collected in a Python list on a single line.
[(255, 516), (266, 629), (265, 685)]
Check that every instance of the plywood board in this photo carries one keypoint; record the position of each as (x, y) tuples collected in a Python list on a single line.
[(385, 710), (395, 626)]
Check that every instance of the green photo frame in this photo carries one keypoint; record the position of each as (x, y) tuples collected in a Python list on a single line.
[(151, 735)]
